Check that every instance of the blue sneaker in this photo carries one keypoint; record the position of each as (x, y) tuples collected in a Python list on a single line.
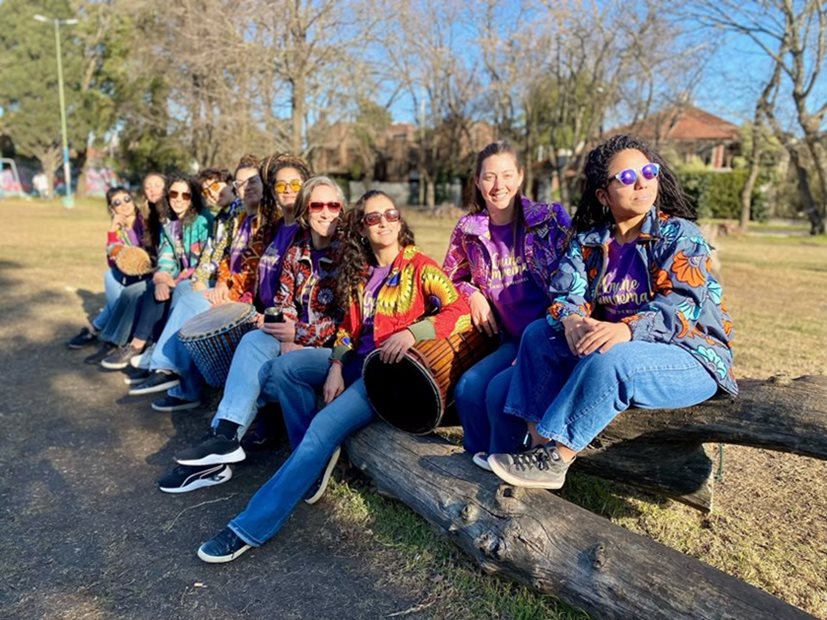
[(225, 546)]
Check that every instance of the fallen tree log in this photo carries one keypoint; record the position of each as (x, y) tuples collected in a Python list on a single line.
[(537, 538)]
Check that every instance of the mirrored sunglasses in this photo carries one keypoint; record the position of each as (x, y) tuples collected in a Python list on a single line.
[(629, 176), (374, 217), (175, 194), (333, 207), (294, 185), (118, 202)]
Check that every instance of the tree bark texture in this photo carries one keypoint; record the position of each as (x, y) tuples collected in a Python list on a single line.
[(536, 538)]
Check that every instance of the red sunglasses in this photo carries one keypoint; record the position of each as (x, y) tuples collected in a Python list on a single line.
[(333, 207)]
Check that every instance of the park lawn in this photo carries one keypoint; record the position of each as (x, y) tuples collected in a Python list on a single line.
[(767, 526)]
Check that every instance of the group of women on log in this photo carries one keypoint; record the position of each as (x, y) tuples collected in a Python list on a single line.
[(591, 315)]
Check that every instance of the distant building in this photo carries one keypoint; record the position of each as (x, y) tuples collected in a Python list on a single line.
[(690, 133)]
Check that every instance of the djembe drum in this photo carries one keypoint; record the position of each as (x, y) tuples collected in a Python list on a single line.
[(212, 337), (413, 394)]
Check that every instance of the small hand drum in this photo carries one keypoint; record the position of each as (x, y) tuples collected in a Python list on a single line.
[(212, 337), (413, 394), (133, 261)]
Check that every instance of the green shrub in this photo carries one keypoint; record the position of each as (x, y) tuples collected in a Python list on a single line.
[(717, 194)]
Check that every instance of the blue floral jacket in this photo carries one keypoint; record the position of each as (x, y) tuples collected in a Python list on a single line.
[(685, 307), (468, 260)]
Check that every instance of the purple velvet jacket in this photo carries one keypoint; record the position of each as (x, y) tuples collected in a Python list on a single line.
[(545, 231)]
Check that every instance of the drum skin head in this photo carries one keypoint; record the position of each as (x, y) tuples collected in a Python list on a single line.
[(403, 394), (217, 317)]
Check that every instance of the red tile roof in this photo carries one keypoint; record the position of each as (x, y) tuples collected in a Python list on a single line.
[(685, 123)]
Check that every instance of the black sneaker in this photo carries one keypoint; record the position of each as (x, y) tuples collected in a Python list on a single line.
[(171, 403), (119, 359), (539, 468), (135, 376), (317, 490), (158, 381), (103, 351), (212, 450), (183, 479), (85, 338), (225, 546)]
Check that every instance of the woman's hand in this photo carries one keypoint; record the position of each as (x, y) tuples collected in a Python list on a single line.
[(118, 221), (481, 315), (162, 277), (161, 292), (285, 332), (199, 286), (395, 347), (574, 327), (602, 336), (218, 295), (334, 384)]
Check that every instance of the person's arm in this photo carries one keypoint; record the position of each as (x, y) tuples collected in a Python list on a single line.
[(195, 240), (456, 265), (447, 311), (569, 286)]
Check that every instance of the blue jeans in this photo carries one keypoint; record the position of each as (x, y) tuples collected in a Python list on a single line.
[(119, 325), (242, 388), (112, 289), (170, 354), (273, 503), (572, 399), (474, 393)]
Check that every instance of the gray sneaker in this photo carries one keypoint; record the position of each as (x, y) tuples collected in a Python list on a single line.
[(539, 468)]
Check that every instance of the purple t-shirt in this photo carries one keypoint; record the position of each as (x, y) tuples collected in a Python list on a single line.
[(376, 279), (624, 288), (512, 290), (269, 266)]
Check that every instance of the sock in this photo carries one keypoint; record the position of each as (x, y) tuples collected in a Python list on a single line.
[(227, 429)]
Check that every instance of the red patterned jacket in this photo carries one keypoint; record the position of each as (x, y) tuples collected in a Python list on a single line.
[(417, 295)]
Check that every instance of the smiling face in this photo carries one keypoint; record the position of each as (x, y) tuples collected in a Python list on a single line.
[(177, 202), (287, 198), (383, 234), (499, 183), (122, 204), (628, 203), (153, 188), (249, 187), (323, 222)]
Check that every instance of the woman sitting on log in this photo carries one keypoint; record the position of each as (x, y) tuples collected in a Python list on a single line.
[(395, 296), (310, 314), (171, 366), (183, 239), (154, 213), (501, 257), (636, 321)]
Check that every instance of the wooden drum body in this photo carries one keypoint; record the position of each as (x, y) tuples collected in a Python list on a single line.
[(413, 394), (212, 337)]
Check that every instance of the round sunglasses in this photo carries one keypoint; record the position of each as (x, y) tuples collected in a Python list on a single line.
[(374, 217), (294, 185), (117, 202), (629, 176)]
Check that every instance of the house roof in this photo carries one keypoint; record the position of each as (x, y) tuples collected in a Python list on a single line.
[(681, 123)]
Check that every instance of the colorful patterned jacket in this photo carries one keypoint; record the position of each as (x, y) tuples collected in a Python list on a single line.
[(685, 308), (468, 260), (121, 238), (218, 246), (296, 276), (244, 284), (417, 295), (181, 247), (238, 243)]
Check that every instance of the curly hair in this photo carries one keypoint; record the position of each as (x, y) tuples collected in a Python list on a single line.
[(495, 148), (590, 213), (155, 215), (196, 201), (356, 256)]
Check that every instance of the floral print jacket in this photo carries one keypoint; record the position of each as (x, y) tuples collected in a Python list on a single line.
[(468, 260), (417, 295), (296, 277), (685, 307)]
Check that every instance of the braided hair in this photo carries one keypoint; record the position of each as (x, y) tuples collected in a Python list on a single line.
[(356, 255), (590, 213)]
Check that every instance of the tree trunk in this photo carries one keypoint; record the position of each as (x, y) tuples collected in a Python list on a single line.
[(754, 167), (537, 538)]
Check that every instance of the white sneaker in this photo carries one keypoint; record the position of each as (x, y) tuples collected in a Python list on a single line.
[(481, 460), (142, 359), (321, 484)]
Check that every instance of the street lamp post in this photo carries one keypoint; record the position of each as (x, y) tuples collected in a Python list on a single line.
[(68, 199)]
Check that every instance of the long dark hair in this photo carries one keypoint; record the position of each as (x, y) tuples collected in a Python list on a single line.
[(495, 148), (270, 211), (590, 213), (356, 255), (155, 214), (197, 202)]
